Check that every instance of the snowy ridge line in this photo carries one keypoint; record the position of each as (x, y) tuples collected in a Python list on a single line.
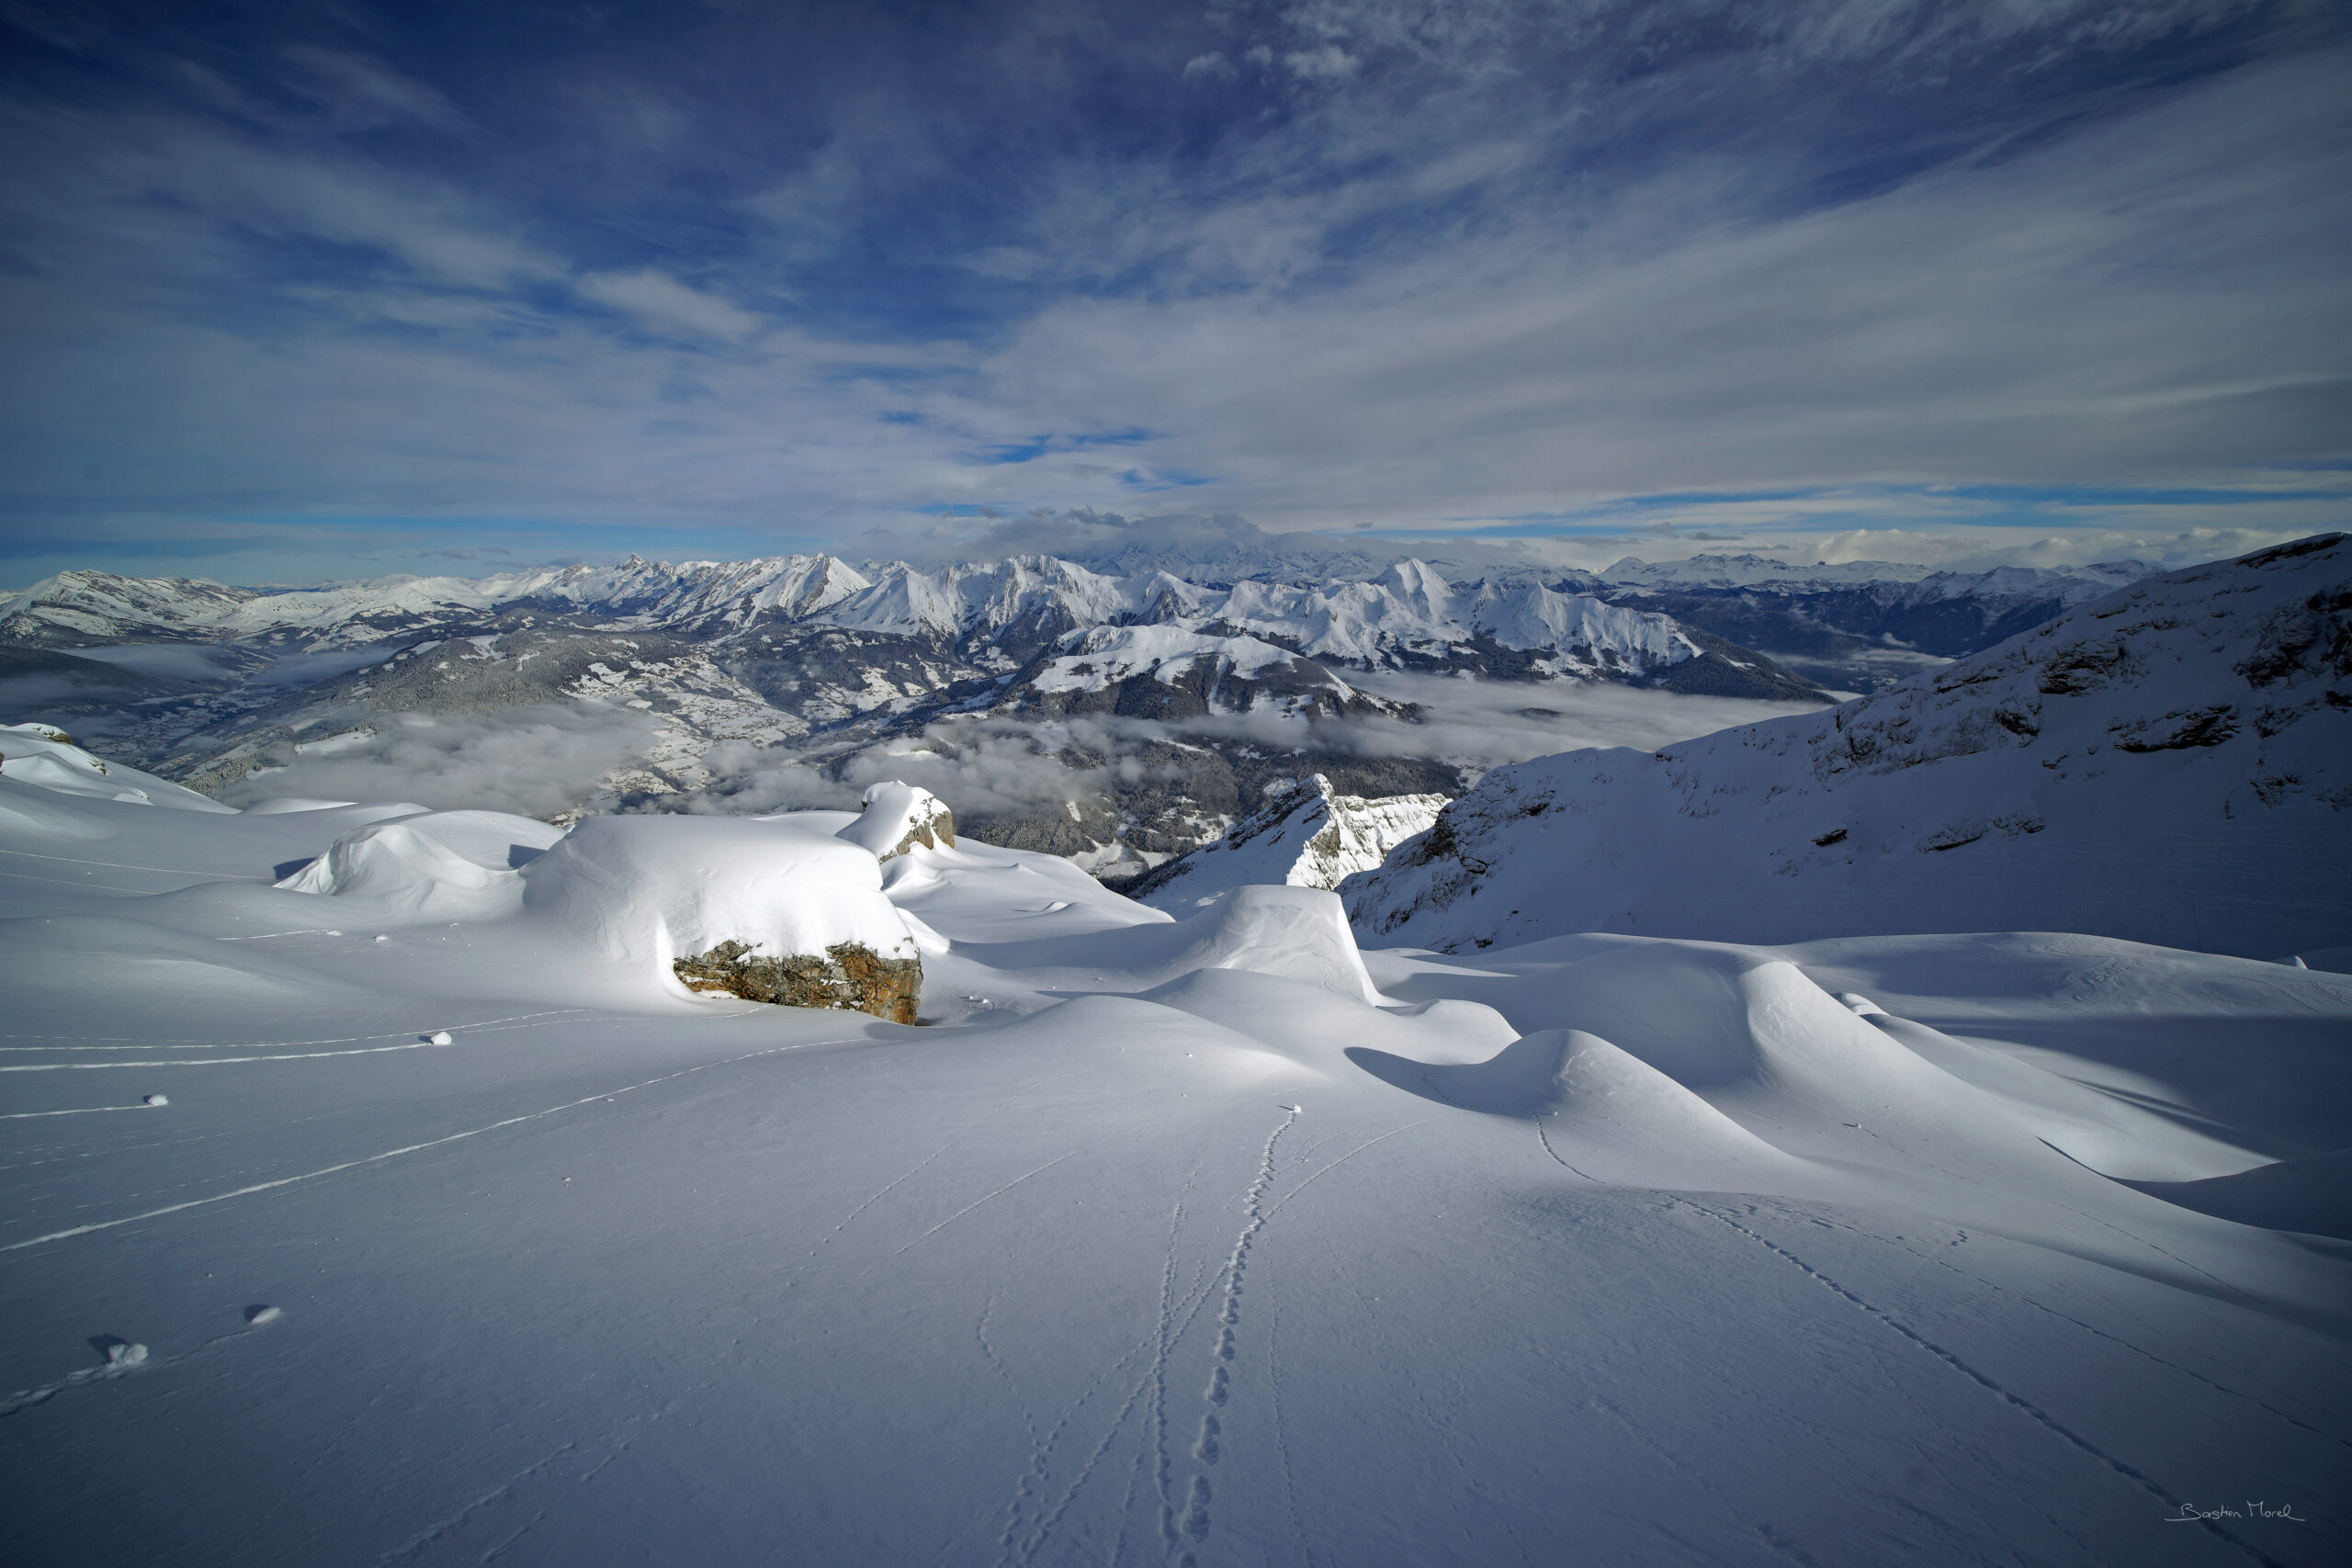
[(2139, 1478), (116, 1043), (404, 1149), (77, 1110), (2242, 1295)]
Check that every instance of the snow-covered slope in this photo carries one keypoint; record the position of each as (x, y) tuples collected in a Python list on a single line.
[(45, 756), (2171, 764), (1308, 835), (335, 1235)]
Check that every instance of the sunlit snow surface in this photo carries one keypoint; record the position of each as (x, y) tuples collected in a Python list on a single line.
[(1167, 1241)]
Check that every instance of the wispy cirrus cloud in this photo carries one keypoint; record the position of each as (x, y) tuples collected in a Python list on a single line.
[(1339, 263)]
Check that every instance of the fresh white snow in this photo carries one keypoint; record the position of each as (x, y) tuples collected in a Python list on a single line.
[(1213, 1240)]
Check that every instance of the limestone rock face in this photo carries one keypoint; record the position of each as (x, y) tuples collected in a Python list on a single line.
[(849, 974), (1308, 836)]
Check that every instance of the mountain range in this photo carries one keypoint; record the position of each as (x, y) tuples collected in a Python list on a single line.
[(1219, 632)]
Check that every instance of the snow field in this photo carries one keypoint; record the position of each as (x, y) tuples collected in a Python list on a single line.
[(1212, 1240)]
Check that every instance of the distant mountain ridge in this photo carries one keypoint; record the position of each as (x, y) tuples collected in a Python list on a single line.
[(819, 656)]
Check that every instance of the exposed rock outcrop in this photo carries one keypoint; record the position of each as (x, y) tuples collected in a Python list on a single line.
[(848, 975), (898, 816), (773, 909), (1308, 835)]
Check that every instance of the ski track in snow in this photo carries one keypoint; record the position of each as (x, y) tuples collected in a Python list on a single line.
[(283, 1051), (76, 1111), (440, 1528), (404, 1149), (121, 865), (2033, 1411), (83, 1043), (1343, 1159), (984, 1198), (2098, 1332)]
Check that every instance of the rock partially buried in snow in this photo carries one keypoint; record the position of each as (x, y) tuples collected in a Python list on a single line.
[(897, 818), (438, 1037), (257, 1315), (768, 909), (156, 1099)]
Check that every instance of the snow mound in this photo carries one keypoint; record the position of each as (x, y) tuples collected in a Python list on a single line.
[(438, 865), (41, 755), (1589, 1091), (897, 818), (709, 903), (1298, 934)]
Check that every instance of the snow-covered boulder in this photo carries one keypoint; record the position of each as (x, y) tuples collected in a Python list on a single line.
[(45, 756), (1308, 835), (434, 865), (770, 909), (897, 818), (2171, 764)]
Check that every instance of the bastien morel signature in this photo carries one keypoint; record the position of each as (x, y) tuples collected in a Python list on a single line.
[(2190, 1513)]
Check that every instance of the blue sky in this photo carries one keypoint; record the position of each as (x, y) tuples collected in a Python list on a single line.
[(294, 291)]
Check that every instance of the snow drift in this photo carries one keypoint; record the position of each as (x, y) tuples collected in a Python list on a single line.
[(433, 865), (769, 909)]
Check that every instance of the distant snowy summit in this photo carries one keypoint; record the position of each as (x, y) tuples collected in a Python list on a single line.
[(2171, 764)]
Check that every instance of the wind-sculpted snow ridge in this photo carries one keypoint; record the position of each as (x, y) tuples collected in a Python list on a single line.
[(456, 1227), (1307, 835), (2171, 764)]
